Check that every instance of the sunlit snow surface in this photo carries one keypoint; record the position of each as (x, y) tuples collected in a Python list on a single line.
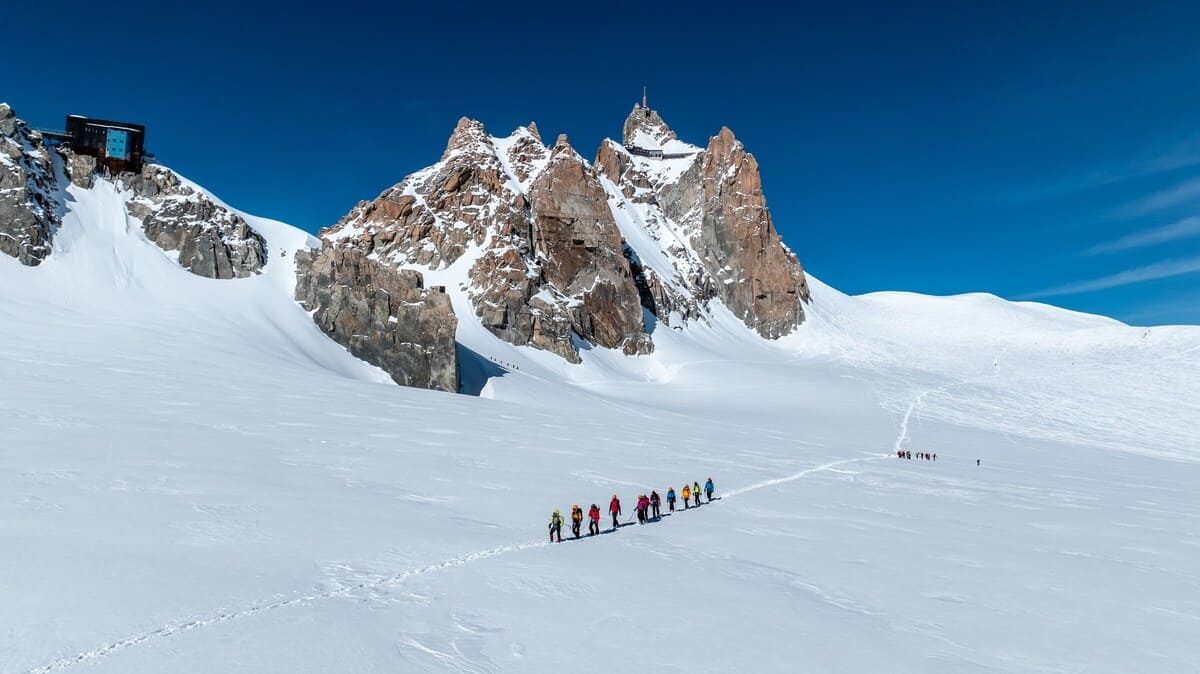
[(194, 479)]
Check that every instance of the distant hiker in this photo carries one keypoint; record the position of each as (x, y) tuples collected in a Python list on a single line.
[(935, 456), (696, 492), (655, 504), (671, 498), (643, 508), (687, 494), (594, 520), (614, 509), (908, 455), (900, 453), (576, 520), (709, 489), (556, 522), (976, 462)]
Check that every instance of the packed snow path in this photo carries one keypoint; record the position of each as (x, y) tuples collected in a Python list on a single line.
[(461, 560)]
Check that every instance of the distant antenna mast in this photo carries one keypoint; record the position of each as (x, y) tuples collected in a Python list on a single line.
[(644, 104)]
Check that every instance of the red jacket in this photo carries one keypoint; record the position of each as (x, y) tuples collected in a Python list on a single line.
[(615, 507), (594, 514)]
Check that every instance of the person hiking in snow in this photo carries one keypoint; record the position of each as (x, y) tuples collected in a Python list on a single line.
[(935, 456), (655, 504), (576, 520), (594, 520), (709, 489), (687, 495), (614, 509), (696, 492), (556, 521), (671, 498), (643, 508)]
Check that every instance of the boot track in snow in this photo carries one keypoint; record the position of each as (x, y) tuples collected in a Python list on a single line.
[(461, 560)]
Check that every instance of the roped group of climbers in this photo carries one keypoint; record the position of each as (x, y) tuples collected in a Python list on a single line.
[(905, 454), (648, 509)]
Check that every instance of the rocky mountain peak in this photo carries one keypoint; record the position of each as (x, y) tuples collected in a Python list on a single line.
[(533, 131), (644, 126), (468, 136), (30, 198), (8, 120)]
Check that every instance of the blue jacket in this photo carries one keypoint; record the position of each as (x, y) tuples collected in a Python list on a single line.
[(670, 494), (708, 486)]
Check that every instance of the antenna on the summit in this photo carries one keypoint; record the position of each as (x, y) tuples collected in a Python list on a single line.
[(644, 105)]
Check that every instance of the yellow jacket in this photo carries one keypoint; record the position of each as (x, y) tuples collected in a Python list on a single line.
[(687, 492)]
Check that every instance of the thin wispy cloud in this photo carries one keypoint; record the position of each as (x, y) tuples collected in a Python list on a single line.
[(1185, 192), (1182, 229), (1150, 272), (1183, 154)]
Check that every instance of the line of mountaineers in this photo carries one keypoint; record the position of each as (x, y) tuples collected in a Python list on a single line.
[(905, 454), (648, 509)]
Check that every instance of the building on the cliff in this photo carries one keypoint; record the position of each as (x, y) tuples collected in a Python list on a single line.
[(119, 146), (645, 145)]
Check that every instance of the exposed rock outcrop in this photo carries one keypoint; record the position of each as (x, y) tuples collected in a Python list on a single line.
[(577, 241), (759, 278), (545, 266), (30, 200), (210, 240), (81, 170), (381, 314), (711, 230)]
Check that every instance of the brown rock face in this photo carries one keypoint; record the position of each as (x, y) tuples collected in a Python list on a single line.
[(383, 315), (580, 246), (545, 264), (30, 200), (211, 240), (759, 279), (705, 210)]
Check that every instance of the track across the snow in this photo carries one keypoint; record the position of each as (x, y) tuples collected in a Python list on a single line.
[(461, 560)]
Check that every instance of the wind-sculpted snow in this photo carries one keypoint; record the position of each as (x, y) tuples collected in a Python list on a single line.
[(193, 479)]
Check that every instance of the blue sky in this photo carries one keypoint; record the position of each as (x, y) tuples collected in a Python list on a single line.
[(1045, 151)]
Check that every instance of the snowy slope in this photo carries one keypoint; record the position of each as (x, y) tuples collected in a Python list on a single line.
[(194, 479)]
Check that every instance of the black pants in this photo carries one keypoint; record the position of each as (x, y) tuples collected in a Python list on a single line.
[(697, 497), (687, 503), (593, 527), (708, 494), (575, 528), (556, 530), (671, 503), (616, 522), (655, 508)]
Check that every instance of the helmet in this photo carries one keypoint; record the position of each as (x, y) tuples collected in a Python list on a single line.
[(556, 511)]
